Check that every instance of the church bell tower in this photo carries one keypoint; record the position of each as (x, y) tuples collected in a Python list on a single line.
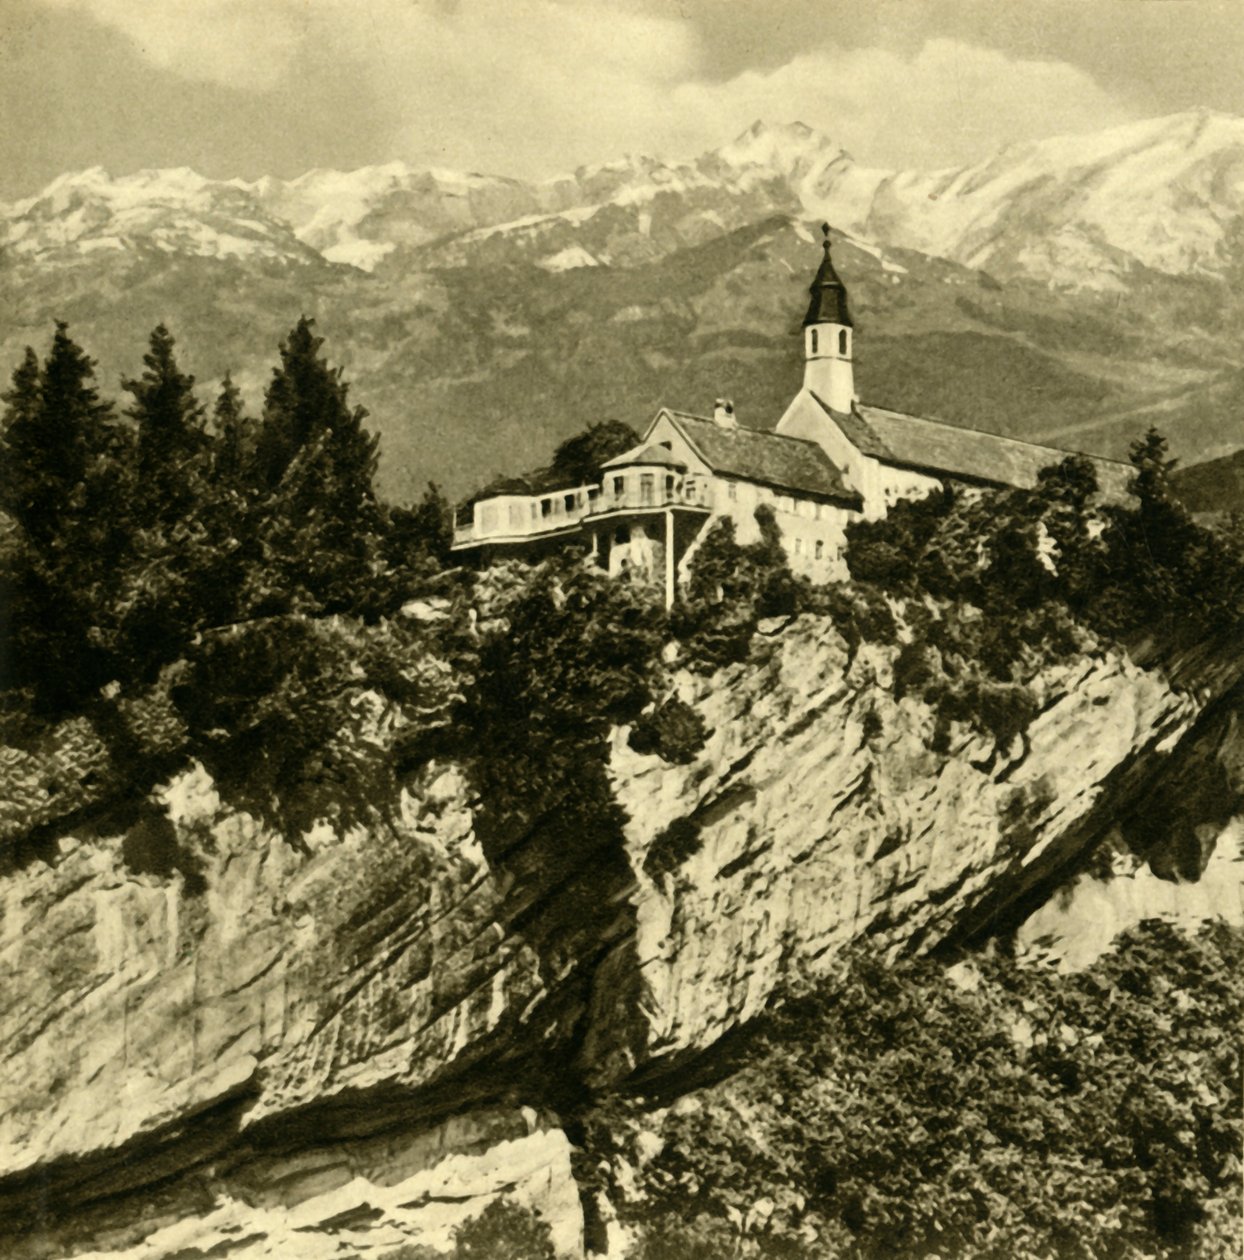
[(827, 336)]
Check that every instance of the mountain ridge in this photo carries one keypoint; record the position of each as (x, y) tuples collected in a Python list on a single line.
[(483, 319)]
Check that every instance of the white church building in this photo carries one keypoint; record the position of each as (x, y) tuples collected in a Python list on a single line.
[(829, 460)]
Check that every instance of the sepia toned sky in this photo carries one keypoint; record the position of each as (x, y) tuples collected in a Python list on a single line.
[(532, 87)]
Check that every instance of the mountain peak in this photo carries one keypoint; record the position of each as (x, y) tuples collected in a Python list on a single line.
[(778, 147)]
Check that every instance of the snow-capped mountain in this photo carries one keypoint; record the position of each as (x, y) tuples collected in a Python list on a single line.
[(168, 211), (1077, 211), (484, 319), (1165, 195)]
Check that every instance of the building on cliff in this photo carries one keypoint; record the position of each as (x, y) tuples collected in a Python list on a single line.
[(829, 460)]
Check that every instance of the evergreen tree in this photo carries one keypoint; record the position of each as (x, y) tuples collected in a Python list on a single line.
[(315, 463), (64, 478), (231, 451), (55, 429), (579, 458), (170, 434)]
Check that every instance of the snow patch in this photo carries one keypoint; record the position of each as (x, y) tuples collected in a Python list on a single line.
[(568, 259)]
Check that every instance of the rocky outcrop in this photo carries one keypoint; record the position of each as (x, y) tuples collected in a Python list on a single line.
[(213, 1041)]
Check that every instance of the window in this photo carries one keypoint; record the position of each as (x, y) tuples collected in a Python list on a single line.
[(732, 490), (798, 546), (546, 507), (647, 487), (813, 332), (669, 485), (618, 484), (570, 500), (820, 549), (842, 342)]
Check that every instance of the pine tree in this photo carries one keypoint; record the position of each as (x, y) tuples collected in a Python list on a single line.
[(230, 454), (170, 436), (64, 481), (55, 429), (315, 463)]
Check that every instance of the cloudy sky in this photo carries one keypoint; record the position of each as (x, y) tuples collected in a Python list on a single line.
[(531, 87)]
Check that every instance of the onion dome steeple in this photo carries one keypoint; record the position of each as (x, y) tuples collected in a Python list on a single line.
[(829, 294)]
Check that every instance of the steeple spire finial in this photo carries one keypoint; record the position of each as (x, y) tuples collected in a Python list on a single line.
[(829, 294)]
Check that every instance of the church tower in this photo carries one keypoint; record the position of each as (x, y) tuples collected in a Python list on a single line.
[(827, 336)]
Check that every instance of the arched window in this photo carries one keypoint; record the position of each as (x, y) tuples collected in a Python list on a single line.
[(813, 332), (842, 342)]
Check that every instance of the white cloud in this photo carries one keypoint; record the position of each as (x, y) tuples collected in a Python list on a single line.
[(950, 102), (536, 86), (241, 43)]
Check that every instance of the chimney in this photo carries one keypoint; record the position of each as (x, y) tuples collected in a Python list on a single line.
[(723, 414)]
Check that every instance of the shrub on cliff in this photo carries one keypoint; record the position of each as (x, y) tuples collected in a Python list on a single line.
[(673, 731), (730, 587), (565, 653), (504, 1230), (890, 1113)]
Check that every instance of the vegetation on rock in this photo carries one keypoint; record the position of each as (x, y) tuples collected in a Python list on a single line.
[(893, 1111)]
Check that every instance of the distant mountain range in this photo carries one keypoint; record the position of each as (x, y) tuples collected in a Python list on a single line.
[(1073, 290)]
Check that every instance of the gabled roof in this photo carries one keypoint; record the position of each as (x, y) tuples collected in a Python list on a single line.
[(933, 446), (771, 459), (656, 454)]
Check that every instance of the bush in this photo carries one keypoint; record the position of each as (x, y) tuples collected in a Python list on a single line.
[(673, 731), (504, 1230), (729, 589), (668, 851)]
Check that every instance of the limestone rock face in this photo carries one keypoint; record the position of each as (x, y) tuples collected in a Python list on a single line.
[(217, 1040), (809, 834)]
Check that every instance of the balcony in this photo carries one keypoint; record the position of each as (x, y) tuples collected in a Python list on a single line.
[(685, 492), (519, 518)]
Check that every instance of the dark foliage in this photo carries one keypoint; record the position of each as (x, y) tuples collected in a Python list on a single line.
[(668, 851), (220, 552), (889, 1113), (567, 654), (169, 437), (504, 1230), (998, 584), (578, 460), (730, 588), (673, 731)]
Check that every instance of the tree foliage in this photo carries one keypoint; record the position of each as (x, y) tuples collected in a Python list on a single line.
[(889, 1113), (730, 587), (158, 541), (579, 459)]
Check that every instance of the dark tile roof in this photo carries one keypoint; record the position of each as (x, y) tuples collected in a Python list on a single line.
[(772, 459), (934, 446)]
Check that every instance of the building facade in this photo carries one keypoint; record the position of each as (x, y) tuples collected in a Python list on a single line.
[(829, 460)]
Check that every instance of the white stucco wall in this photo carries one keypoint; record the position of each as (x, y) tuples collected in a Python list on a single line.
[(880, 485)]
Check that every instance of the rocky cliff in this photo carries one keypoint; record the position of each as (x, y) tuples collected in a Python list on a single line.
[(219, 1040)]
